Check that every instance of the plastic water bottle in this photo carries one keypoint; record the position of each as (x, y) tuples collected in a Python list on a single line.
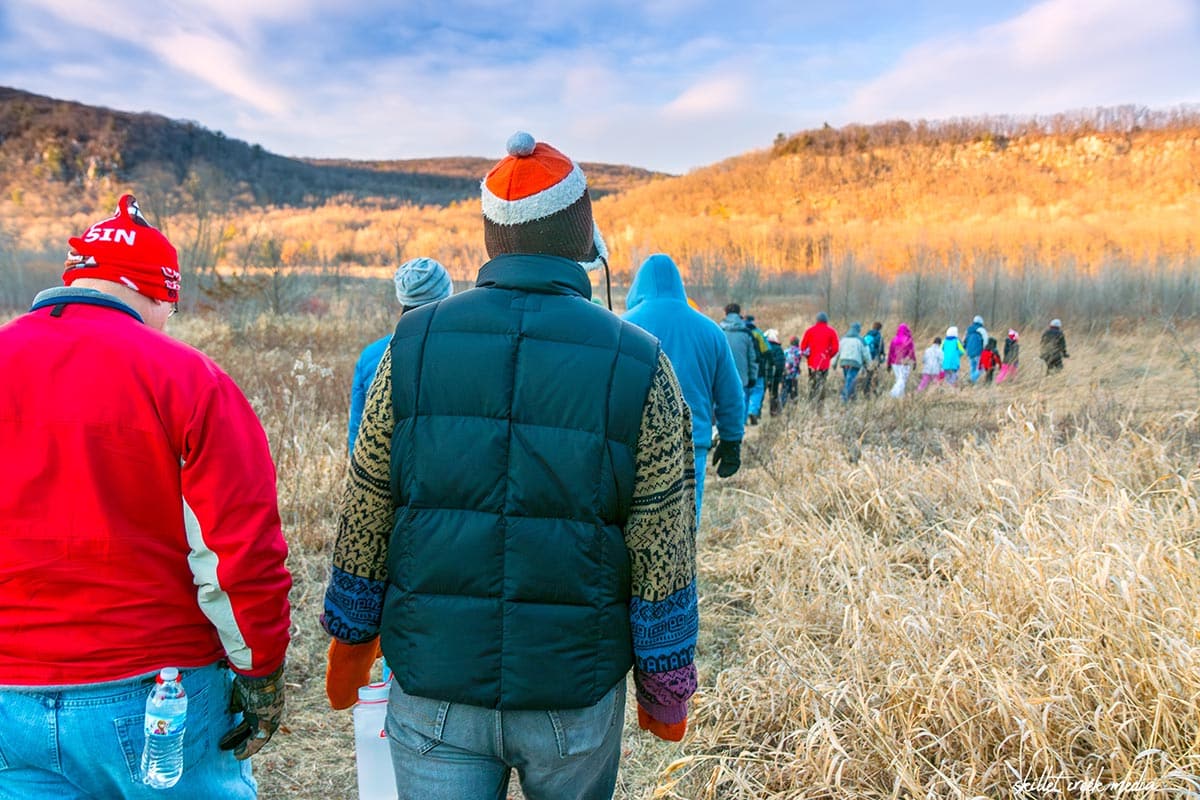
[(166, 721), (376, 776)]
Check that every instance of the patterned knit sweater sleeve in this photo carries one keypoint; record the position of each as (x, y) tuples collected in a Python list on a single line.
[(661, 537), (354, 597)]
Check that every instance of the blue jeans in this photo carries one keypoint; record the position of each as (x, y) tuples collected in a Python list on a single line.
[(701, 465), (975, 373), (754, 397), (851, 375), (86, 742), (452, 751)]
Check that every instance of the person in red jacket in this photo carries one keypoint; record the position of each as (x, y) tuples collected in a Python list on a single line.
[(820, 345), (139, 529), (989, 359)]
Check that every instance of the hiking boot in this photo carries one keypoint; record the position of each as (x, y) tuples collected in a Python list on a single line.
[(753, 419)]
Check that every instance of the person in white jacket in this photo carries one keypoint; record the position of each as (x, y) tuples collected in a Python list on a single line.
[(853, 353), (931, 364)]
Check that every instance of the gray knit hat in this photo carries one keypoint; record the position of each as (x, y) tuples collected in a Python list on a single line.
[(420, 281)]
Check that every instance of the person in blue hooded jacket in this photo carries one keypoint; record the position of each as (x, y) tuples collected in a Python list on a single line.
[(975, 342), (699, 351), (418, 281)]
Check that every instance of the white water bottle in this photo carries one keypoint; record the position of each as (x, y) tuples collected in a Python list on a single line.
[(376, 776), (166, 721)]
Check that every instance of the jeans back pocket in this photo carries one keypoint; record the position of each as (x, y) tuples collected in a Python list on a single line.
[(581, 731)]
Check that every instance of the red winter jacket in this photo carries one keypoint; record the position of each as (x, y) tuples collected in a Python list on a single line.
[(138, 519), (821, 342)]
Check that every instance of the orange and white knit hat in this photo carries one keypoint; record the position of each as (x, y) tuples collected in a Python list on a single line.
[(535, 200)]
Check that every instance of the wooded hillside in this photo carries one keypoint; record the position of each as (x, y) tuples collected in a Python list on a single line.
[(1000, 213), (67, 157), (1113, 185)]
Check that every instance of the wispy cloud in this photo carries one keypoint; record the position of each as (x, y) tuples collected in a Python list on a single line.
[(723, 94), (216, 41), (1058, 55), (669, 84), (222, 64)]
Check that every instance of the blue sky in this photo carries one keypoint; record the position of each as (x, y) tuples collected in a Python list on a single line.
[(665, 84)]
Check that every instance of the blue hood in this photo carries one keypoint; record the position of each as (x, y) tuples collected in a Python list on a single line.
[(698, 349), (657, 279)]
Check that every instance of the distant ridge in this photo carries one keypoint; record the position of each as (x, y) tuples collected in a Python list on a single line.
[(990, 194), (74, 155)]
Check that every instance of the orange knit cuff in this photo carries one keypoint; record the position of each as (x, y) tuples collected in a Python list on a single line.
[(670, 732)]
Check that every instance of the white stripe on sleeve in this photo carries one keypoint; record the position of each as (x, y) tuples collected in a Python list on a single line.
[(213, 600)]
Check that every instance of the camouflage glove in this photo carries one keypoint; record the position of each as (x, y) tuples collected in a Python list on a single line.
[(727, 457), (261, 702)]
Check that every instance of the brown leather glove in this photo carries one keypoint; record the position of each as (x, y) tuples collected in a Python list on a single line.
[(348, 667), (261, 702)]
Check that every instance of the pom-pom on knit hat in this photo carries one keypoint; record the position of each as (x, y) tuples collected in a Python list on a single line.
[(535, 200), (126, 249), (420, 281)]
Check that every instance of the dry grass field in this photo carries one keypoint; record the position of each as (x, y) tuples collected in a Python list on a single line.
[(984, 592)]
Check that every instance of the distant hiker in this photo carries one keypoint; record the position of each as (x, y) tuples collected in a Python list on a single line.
[(418, 281), (820, 345), (977, 336), (754, 403), (703, 363), (952, 353), (989, 359), (519, 538), (852, 354), (931, 364), (878, 356), (901, 358), (745, 351), (778, 362), (1012, 355), (140, 531), (1054, 346), (791, 369)]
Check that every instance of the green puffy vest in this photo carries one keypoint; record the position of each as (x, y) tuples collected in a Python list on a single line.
[(518, 406)]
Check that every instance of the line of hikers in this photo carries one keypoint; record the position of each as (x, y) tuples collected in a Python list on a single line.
[(770, 370), (516, 552)]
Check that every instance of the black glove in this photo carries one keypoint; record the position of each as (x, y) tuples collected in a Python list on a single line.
[(261, 702), (727, 457)]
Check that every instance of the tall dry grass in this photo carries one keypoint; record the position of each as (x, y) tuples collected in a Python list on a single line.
[(937, 597)]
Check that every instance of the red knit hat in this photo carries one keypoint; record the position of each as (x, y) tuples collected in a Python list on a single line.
[(126, 249), (536, 201)]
